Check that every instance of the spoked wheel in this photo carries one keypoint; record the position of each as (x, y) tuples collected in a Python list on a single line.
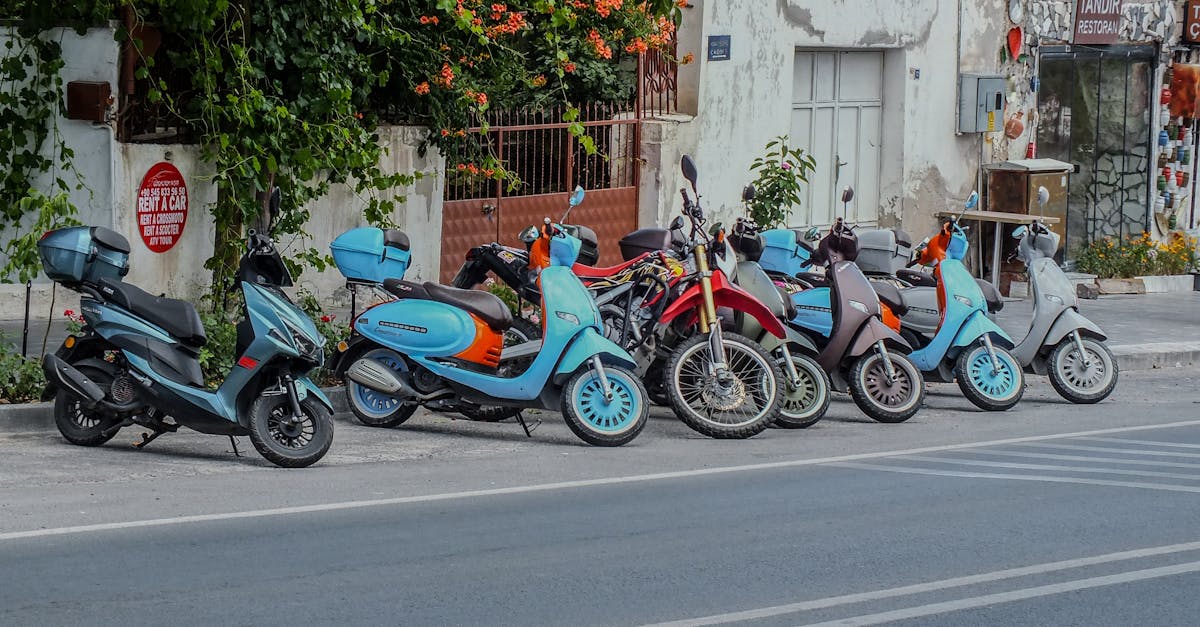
[(521, 331), (77, 424), (376, 409), (598, 419), (738, 402), (988, 387), (806, 400), (884, 400), (1081, 383), (286, 440)]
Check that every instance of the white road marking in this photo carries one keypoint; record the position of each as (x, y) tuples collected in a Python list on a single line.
[(563, 485), (957, 605), (932, 586), (1145, 442), (1118, 451), (1081, 458), (1041, 478), (1080, 469)]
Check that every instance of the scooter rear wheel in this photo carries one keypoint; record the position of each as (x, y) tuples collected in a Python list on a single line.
[(988, 390), (78, 425), (1077, 383), (883, 401), (601, 421), (376, 409), (284, 442)]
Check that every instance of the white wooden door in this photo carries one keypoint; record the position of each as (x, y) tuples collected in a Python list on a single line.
[(837, 111)]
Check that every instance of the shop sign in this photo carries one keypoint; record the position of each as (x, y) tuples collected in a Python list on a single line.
[(162, 207), (1097, 21), (1191, 22)]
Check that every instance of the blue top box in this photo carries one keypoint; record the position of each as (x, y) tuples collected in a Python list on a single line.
[(370, 255), (783, 252)]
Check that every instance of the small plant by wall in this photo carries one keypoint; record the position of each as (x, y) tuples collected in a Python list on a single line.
[(1138, 256), (780, 176)]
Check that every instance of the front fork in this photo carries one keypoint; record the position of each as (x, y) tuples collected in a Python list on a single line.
[(708, 312), (888, 368), (1087, 363), (788, 367), (991, 349), (598, 366), (293, 399)]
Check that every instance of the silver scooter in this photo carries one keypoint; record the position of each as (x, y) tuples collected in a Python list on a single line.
[(1061, 342)]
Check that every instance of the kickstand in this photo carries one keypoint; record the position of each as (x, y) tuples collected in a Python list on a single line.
[(525, 425), (146, 439), (233, 441)]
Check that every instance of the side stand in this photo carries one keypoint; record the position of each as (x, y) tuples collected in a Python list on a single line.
[(524, 425)]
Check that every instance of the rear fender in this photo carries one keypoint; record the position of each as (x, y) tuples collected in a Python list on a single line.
[(1070, 320), (580, 350), (89, 345), (873, 332)]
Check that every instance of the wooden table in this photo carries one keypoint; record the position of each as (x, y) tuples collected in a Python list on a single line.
[(998, 217)]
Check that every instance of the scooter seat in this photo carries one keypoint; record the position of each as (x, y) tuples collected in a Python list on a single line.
[(890, 295), (405, 289), (487, 306), (177, 317), (594, 272), (916, 278), (395, 238), (991, 295), (815, 279)]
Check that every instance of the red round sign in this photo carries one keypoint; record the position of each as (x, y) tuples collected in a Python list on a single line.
[(162, 207)]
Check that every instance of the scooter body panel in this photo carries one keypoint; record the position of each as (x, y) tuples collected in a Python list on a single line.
[(585, 345), (725, 294), (814, 310), (923, 315), (964, 317), (418, 328)]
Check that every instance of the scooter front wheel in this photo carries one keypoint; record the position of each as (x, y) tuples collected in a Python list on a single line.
[(887, 401), (286, 440), (988, 387), (806, 400), (598, 419), (1081, 383)]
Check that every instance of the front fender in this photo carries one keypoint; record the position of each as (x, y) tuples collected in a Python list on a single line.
[(874, 331), (306, 387), (726, 294), (590, 342), (794, 339), (1068, 321), (976, 326)]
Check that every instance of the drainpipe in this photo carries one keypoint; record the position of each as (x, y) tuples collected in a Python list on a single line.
[(128, 59), (957, 68)]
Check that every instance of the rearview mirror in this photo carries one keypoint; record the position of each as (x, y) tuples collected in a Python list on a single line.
[(576, 196), (689, 170), (529, 235), (847, 194), (1043, 196), (273, 204), (677, 223), (972, 200), (813, 234), (748, 193)]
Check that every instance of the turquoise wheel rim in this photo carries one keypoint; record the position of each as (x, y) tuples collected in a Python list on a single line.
[(1000, 385), (378, 404), (601, 414)]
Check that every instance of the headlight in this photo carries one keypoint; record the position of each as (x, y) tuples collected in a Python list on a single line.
[(859, 306), (306, 345), (964, 300)]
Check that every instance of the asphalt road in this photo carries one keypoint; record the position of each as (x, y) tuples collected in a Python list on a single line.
[(1048, 514)]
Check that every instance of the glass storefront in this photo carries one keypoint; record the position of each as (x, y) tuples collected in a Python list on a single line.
[(1094, 110)]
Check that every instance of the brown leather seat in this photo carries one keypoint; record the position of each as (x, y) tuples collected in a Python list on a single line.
[(487, 306), (890, 296)]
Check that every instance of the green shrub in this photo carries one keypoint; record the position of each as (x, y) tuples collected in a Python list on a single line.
[(780, 174), (21, 378), (1138, 256)]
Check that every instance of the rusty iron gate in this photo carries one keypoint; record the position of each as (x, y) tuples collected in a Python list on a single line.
[(548, 162)]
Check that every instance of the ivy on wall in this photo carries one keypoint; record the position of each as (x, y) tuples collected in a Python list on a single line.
[(290, 93)]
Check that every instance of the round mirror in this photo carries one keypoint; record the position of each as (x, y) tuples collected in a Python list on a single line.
[(1043, 196), (813, 234), (748, 193), (973, 200), (677, 223), (529, 235), (577, 196), (847, 194), (688, 167)]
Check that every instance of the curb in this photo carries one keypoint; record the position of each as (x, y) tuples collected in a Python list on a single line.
[(37, 417)]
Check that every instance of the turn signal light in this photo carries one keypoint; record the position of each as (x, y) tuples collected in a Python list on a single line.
[(342, 346), (69, 342), (247, 362)]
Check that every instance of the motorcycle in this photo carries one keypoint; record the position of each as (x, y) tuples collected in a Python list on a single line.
[(442, 347), (1061, 342), (136, 361), (844, 316), (966, 346)]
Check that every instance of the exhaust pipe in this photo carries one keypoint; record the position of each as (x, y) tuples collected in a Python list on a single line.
[(65, 376), (375, 376)]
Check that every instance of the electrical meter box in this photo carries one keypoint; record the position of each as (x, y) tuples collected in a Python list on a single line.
[(980, 103)]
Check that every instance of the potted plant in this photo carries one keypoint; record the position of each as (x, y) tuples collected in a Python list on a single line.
[(1139, 264), (779, 176)]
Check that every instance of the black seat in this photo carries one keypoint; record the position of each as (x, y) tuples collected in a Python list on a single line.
[(487, 306), (395, 238), (890, 296), (815, 279), (991, 295), (177, 317), (406, 289), (916, 278)]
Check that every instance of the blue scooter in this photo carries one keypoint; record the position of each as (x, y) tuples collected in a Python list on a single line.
[(442, 348), (137, 360), (967, 346)]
